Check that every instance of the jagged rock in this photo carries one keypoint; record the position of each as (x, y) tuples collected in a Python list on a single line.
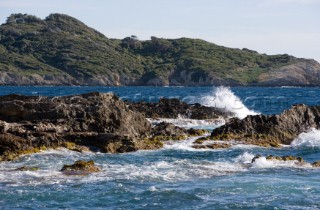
[(270, 130), (168, 131), (174, 108), (31, 123), (80, 167)]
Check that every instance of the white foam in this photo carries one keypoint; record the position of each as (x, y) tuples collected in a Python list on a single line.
[(244, 158), (224, 98), (153, 189), (262, 162), (182, 145), (173, 170), (308, 139), (190, 123)]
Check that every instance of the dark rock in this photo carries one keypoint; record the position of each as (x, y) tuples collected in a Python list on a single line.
[(286, 158), (212, 146), (174, 108), (196, 132), (255, 158), (316, 164), (29, 124), (27, 168), (270, 130), (201, 140), (299, 160), (168, 131), (80, 167)]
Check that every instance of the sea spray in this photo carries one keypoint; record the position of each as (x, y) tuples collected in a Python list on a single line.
[(307, 139), (224, 98)]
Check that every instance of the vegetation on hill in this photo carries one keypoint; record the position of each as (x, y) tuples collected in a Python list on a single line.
[(62, 50)]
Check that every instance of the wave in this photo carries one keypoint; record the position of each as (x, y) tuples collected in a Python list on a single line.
[(307, 139), (262, 162), (224, 98)]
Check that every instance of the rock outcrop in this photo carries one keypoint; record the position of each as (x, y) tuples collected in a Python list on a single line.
[(174, 108), (168, 131), (270, 130), (29, 124), (80, 167)]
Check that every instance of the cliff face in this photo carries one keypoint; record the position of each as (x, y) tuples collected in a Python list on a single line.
[(304, 72), (61, 50)]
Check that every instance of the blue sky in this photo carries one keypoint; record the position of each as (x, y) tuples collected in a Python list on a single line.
[(268, 26)]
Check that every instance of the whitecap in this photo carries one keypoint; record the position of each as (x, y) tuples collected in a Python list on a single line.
[(246, 157), (263, 162), (224, 98), (307, 139), (209, 124)]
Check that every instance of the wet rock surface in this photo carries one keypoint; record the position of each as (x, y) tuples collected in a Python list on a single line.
[(299, 160), (80, 167), (212, 146), (174, 108), (270, 130), (167, 131), (27, 168), (30, 124)]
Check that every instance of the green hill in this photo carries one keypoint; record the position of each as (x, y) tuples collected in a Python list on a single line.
[(61, 50)]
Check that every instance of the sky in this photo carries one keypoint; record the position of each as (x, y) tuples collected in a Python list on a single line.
[(267, 26)]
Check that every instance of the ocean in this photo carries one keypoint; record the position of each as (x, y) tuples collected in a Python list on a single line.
[(176, 176)]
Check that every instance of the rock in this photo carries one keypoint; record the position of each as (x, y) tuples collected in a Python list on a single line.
[(29, 124), (299, 160), (316, 164), (168, 131), (255, 158), (80, 167), (286, 158), (74, 147), (196, 132), (212, 146), (270, 130), (174, 108), (201, 140), (27, 168)]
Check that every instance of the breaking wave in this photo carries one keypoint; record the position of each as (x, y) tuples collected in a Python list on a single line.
[(224, 98), (307, 139)]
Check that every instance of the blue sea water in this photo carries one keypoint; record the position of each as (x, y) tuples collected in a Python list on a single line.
[(177, 176)]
